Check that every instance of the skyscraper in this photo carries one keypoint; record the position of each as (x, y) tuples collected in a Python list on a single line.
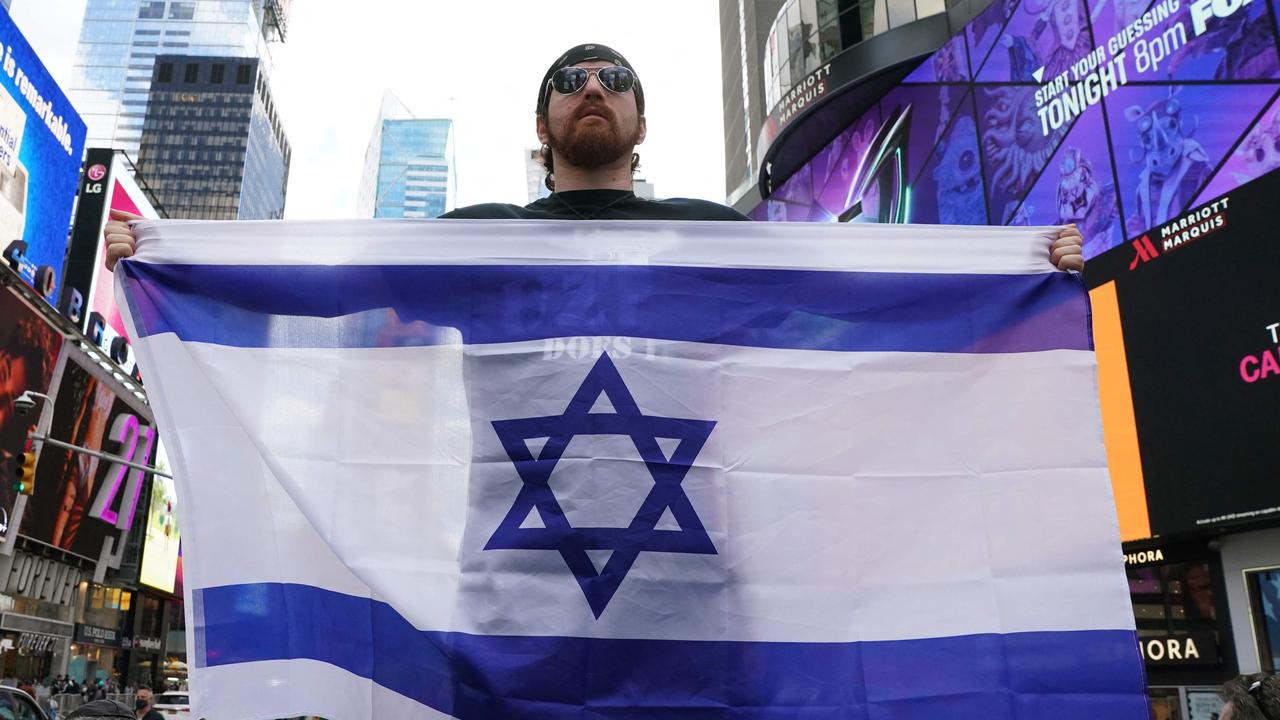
[(409, 166), (119, 42), (535, 174), (212, 146), (744, 31)]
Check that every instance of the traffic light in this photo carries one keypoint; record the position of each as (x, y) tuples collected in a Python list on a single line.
[(24, 480)]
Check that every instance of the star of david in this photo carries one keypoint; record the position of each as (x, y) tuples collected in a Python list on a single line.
[(626, 543)]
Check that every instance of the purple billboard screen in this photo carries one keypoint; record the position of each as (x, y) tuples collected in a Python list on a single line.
[(1112, 114)]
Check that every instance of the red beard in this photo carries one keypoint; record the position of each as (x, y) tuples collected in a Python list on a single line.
[(593, 144)]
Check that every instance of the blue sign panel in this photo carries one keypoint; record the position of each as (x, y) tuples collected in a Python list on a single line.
[(41, 144)]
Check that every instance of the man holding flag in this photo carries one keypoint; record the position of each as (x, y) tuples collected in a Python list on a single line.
[(632, 470)]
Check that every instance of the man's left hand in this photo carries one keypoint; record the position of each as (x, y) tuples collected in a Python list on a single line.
[(1067, 252)]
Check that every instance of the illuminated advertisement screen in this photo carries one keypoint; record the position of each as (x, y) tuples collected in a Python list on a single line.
[(1187, 326), (78, 498), (41, 143), (88, 290), (160, 549), (1112, 114), (29, 349)]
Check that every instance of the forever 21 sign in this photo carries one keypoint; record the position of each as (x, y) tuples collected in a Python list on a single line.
[(133, 441)]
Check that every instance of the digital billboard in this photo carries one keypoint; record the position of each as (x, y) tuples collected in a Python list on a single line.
[(160, 548), (29, 349), (1187, 327), (80, 500), (88, 291), (41, 144), (1115, 115)]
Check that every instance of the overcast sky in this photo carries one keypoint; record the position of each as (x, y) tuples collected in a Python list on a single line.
[(479, 62)]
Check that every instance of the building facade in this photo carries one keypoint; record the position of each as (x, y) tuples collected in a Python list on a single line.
[(773, 52), (744, 28), (409, 166), (938, 121), (213, 147), (120, 40), (70, 603), (535, 174)]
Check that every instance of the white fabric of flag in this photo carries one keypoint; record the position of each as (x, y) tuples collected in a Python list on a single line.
[(502, 469)]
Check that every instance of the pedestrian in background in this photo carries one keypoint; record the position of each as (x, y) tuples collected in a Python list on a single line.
[(1251, 697)]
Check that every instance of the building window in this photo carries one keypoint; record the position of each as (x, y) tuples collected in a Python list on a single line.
[(182, 11), (1264, 602), (244, 75), (1176, 612), (166, 72), (215, 75), (151, 10), (192, 73)]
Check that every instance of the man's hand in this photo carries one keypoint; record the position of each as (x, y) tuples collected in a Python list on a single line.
[(119, 237), (1067, 252)]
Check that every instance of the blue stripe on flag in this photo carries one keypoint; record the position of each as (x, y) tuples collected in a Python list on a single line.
[(1044, 675), (349, 306)]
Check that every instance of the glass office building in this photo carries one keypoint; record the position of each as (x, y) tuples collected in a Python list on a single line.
[(409, 166), (119, 42), (212, 146)]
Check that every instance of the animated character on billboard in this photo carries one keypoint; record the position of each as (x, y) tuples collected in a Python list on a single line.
[(997, 15), (1261, 149), (947, 62), (1067, 45), (1023, 61), (1243, 43), (1175, 166), (959, 176), (1084, 201), (1015, 149), (1022, 217), (1070, 42), (1126, 13)]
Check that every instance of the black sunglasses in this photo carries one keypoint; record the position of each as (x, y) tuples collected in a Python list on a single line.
[(614, 78)]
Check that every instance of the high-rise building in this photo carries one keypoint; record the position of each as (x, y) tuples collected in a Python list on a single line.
[(783, 59), (535, 174), (744, 33), (409, 166), (119, 42), (212, 145)]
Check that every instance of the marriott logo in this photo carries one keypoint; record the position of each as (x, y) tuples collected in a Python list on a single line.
[(1182, 231), (1146, 252)]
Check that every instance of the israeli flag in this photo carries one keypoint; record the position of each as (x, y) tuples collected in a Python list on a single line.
[(479, 469)]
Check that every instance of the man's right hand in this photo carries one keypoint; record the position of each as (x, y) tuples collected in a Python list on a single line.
[(119, 237)]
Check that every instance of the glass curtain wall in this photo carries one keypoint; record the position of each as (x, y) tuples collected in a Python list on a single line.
[(119, 42), (808, 33)]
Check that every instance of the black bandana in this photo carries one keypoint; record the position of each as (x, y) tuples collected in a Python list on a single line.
[(583, 53)]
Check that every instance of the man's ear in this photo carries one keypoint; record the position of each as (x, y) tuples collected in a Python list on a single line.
[(643, 128), (544, 137)]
